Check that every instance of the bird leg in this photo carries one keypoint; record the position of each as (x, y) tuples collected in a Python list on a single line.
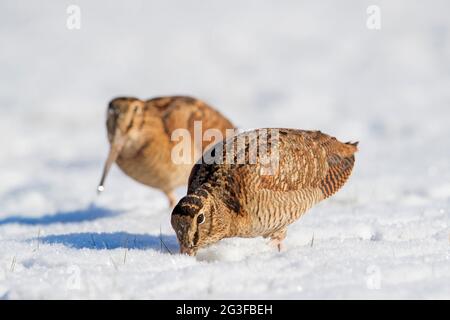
[(172, 199), (276, 238)]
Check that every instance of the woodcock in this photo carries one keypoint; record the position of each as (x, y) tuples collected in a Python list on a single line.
[(139, 133), (246, 199)]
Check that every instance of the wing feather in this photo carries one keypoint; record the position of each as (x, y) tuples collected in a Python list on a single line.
[(307, 160)]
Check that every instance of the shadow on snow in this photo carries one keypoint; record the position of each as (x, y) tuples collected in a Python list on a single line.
[(92, 212), (114, 240)]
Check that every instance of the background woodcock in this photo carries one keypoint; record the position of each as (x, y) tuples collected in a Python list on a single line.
[(139, 133), (236, 200)]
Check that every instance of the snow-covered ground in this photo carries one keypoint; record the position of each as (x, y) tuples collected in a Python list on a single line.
[(303, 64)]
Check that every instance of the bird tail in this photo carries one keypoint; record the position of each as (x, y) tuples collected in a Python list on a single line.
[(352, 147), (340, 167)]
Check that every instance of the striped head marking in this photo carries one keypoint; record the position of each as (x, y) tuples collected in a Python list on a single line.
[(123, 115), (192, 220), (125, 118)]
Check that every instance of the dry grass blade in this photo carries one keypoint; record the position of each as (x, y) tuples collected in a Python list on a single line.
[(13, 264), (38, 240), (93, 241), (162, 242), (126, 250), (113, 263)]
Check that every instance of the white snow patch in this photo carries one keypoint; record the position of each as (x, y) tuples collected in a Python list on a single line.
[(302, 64)]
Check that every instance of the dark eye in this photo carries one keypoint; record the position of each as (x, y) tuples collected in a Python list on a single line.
[(200, 218)]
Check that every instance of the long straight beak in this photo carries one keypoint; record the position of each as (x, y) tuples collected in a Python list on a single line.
[(114, 151)]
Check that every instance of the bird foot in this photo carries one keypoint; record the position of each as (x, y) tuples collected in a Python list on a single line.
[(277, 243), (172, 199), (276, 239)]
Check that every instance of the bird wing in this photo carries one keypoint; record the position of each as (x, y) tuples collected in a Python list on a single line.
[(310, 160), (182, 112), (310, 163)]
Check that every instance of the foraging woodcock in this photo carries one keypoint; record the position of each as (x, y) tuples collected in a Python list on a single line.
[(140, 132), (245, 195)]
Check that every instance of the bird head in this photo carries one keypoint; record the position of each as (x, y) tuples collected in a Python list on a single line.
[(199, 221), (125, 117)]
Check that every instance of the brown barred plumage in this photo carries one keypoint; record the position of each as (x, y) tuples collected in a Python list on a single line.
[(140, 136), (243, 200)]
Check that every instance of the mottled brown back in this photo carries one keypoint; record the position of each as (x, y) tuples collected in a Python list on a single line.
[(181, 112), (308, 160)]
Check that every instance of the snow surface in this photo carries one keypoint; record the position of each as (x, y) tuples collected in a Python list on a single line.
[(303, 64)]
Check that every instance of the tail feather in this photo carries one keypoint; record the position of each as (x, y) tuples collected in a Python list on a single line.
[(353, 144)]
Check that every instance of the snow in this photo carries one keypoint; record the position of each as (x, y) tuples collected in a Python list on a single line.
[(302, 64)]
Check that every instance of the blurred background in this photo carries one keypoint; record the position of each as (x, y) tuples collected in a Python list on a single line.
[(301, 64)]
